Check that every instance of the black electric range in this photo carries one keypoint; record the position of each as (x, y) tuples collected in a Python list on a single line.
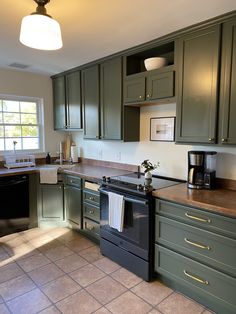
[(136, 183)]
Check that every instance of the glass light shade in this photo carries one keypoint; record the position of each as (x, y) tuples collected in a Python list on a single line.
[(40, 32)]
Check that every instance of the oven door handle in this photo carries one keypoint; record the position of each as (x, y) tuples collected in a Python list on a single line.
[(127, 199)]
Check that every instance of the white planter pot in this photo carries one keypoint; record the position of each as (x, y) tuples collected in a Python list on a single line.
[(148, 175)]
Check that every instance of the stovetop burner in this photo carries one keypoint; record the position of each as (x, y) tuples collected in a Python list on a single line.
[(136, 182)]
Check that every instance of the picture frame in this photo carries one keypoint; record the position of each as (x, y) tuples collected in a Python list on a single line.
[(162, 129)]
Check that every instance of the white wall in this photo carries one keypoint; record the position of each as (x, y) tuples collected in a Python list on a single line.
[(172, 157), (21, 83)]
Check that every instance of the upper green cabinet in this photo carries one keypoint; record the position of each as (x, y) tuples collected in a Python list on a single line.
[(149, 86), (59, 102), (67, 102), (227, 133), (111, 99), (197, 81), (90, 100)]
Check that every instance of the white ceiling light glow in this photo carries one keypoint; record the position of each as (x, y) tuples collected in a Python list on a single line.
[(39, 30)]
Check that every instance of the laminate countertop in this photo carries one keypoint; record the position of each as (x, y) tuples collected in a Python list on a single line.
[(219, 200), (86, 171)]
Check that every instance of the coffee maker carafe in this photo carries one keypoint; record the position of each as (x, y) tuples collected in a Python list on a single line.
[(196, 169), (210, 170)]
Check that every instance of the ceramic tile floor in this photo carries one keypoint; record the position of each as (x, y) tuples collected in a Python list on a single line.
[(59, 271)]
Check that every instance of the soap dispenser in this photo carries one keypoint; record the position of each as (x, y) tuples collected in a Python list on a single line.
[(48, 159)]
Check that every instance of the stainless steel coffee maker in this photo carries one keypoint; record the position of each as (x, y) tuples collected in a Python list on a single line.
[(201, 169), (196, 169)]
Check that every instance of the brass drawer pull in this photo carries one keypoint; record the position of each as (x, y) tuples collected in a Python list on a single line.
[(140, 97), (201, 246), (91, 212), (91, 198), (197, 218), (205, 282), (71, 181)]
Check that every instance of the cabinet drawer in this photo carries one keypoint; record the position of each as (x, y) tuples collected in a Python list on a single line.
[(215, 289), (210, 248), (92, 212), (73, 181), (198, 217), (91, 197), (92, 228)]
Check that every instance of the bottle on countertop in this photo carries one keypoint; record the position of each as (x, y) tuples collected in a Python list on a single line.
[(48, 159)]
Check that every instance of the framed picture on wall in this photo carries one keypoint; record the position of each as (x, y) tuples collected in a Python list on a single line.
[(162, 129)]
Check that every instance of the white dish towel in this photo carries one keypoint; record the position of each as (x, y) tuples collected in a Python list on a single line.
[(116, 211), (48, 175)]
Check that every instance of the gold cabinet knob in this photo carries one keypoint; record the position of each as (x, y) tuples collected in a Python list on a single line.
[(140, 97), (148, 95), (223, 140), (211, 139)]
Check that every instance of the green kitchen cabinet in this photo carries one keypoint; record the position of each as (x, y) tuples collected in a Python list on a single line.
[(51, 202), (227, 133), (59, 94), (149, 86), (73, 200), (195, 253), (134, 88), (90, 100), (111, 99), (197, 55), (67, 102)]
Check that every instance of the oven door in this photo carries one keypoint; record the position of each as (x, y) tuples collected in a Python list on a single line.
[(136, 231)]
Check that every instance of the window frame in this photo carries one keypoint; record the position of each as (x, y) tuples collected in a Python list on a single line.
[(40, 124)]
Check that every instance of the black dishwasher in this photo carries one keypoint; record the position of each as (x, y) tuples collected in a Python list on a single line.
[(14, 204)]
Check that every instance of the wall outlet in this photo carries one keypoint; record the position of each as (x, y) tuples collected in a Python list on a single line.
[(118, 156), (100, 154)]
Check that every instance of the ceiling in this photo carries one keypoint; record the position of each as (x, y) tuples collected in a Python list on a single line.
[(92, 29)]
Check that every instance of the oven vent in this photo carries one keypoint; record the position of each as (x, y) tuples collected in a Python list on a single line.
[(19, 65)]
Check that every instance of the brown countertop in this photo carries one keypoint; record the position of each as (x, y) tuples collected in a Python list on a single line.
[(219, 201), (91, 172)]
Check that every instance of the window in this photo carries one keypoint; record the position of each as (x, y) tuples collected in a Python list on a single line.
[(20, 124)]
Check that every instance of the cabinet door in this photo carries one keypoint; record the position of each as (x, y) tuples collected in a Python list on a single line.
[(228, 85), (73, 204), (197, 78), (59, 103), (111, 99), (52, 202), (160, 85), (90, 99), (134, 89), (73, 97)]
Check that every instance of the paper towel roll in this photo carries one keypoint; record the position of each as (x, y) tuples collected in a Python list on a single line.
[(74, 153)]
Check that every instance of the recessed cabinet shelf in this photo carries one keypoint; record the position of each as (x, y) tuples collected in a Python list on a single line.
[(135, 63)]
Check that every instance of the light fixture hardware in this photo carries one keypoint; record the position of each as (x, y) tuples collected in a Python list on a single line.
[(39, 30)]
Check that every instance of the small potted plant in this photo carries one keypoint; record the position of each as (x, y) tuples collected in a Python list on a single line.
[(148, 167)]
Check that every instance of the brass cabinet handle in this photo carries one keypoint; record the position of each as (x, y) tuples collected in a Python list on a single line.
[(71, 181), (211, 139), (223, 140), (197, 218), (140, 97), (91, 212), (205, 282), (148, 95), (91, 198), (201, 246)]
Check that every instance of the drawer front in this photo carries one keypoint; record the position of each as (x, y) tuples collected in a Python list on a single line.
[(198, 217), (92, 212), (207, 247), (73, 181), (92, 228), (200, 280), (91, 197)]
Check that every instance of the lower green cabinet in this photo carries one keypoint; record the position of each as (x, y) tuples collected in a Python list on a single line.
[(51, 202), (73, 205), (195, 252)]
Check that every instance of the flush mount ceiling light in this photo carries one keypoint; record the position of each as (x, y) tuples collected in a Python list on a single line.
[(39, 30)]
